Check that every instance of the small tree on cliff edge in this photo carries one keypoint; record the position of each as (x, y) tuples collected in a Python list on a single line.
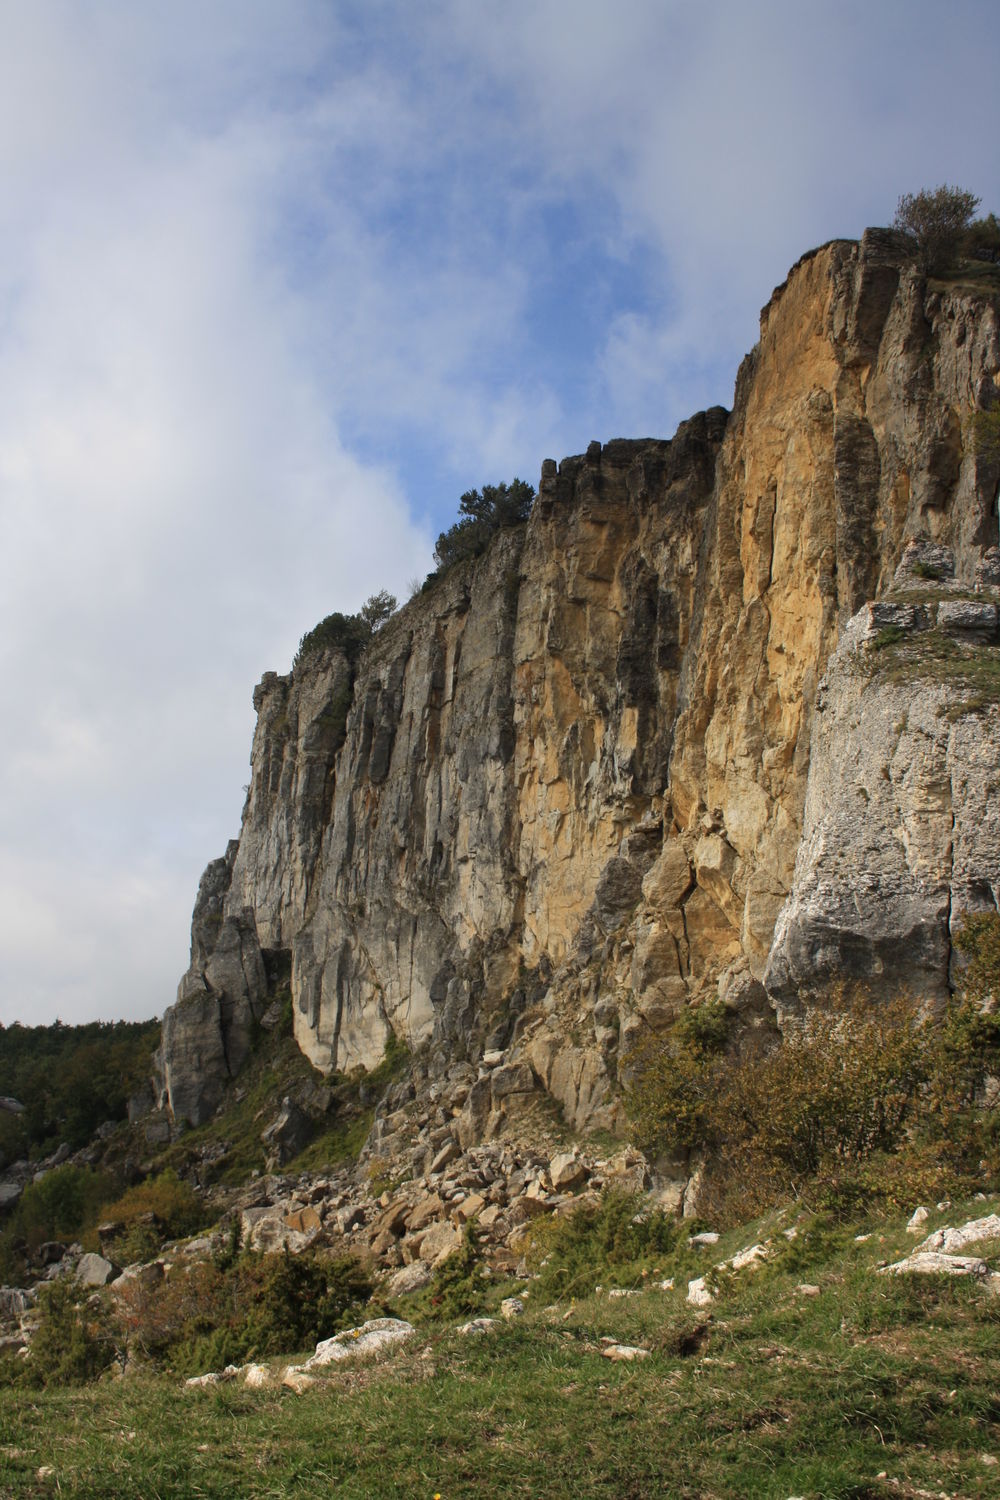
[(483, 514), (937, 219)]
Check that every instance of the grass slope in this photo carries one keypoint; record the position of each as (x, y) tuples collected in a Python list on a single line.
[(873, 1386)]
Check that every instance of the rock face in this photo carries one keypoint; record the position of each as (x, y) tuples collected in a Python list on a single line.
[(675, 738)]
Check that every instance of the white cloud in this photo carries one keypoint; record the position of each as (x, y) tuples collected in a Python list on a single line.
[(278, 279)]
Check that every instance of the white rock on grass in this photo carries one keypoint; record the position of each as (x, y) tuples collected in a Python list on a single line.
[(950, 1240), (511, 1307), (257, 1376), (478, 1325), (698, 1293), (917, 1220), (748, 1257), (297, 1380), (932, 1262), (704, 1237), (624, 1352), (356, 1343)]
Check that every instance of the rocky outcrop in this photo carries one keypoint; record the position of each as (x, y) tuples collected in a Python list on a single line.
[(597, 775), (901, 837)]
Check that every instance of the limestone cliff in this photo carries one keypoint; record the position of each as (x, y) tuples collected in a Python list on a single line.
[(596, 775)]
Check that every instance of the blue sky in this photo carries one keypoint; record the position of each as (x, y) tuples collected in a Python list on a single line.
[(281, 280)]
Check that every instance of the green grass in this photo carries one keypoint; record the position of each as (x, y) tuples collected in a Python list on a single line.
[(981, 277), (769, 1393), (930, 655), (277, 1069)]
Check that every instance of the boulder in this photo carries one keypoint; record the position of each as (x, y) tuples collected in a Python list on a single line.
[(287, 1135), (440, 1241), (478, 1325), (566, 1170), (448, 1153), (409, 1278), (95, 1270), (427, 1211), (10, 1192), (14, 1303), (265, 1229), (512, 1078), (624, 1352), (969, 619), (373, 1337), (934, 1263), (51, 1252), (949, 1240)]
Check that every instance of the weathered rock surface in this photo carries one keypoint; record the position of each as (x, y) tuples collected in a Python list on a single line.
[(373, 1337), (597, 774), (935, 1263), (95, 1270), (901, 832)]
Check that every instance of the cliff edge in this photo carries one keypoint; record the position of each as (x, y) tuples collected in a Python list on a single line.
[(720, 721)]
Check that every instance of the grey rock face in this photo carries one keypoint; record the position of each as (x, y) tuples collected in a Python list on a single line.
[(289, 1134), (901, 836)]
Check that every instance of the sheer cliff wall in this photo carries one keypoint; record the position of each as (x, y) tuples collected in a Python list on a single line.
[(564, 792)]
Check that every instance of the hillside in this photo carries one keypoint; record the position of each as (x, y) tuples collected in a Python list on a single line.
[(615, 929)]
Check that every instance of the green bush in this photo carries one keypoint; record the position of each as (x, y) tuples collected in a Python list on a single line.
[(67, 1347), (483, 513), (861, 1102), (610, 1241), (60, 1206), (207, 1315), (161, 1208), (348, 632), (459, 1285)]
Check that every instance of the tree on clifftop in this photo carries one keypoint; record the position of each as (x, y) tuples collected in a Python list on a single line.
[(483, 514), (938, 220)]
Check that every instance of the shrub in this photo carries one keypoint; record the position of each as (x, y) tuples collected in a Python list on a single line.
[(161, 1208), (937, 220), (350, 633), (607, 1241), (458, 1289), (59, 1206), (483, 514), (862, 1101), (66, 1346), (211, 1314), (982, 239)]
